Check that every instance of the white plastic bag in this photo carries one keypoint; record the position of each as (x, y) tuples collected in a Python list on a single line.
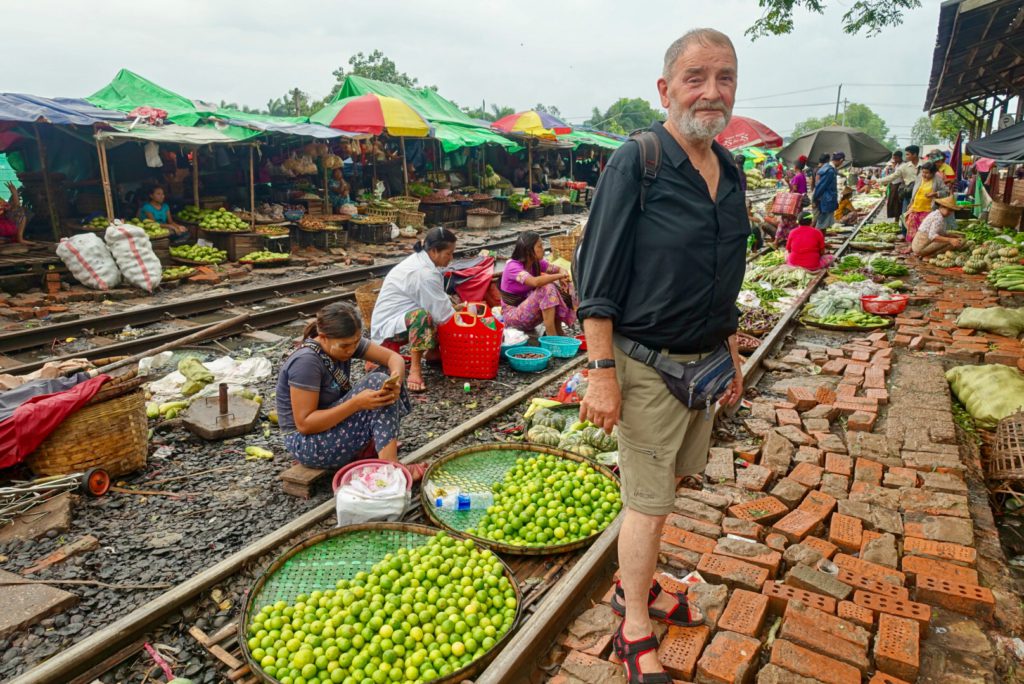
[(376, 492), (89, 261), (133, 252)]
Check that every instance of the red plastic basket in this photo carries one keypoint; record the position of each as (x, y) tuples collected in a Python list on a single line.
[(349, 471), (891, 307), (469, 347)]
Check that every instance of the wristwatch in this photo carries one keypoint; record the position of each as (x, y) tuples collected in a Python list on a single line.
[(601, 363)]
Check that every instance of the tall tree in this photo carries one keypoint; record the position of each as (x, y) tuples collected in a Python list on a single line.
[(377, 66), (224, 104), (295, 102), (547, 109), (493, 114), (947, 125), (870, 16), (858, 116), (625, 115), (923, 133)]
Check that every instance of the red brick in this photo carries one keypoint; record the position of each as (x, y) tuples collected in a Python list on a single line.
[(767, 559), (680, 648), (788, 417), (869, 471), (939, 550), (805, 662), (818, 503), (872, 586), (908, 475), (837, 627), (861, 355), (846, 532), (803, 633), (1005, 358), (911, 610), (833, 367), (807, 474), (915, 566), (809, 454), (838, 464), (780, 594), (745, 613), (861, 421), (803, 397), (901, 340), (797, 524), (858, 615), (882, 678), (870, 570), (730, 658), (968, 599), (825, 395), (686, 540), (874, 378), (763, 510), (784, 405), (742, 528), (776, 542), (731, 572), (853, 370), (898, 647), (869, 535), (826, 549), (881, 395)]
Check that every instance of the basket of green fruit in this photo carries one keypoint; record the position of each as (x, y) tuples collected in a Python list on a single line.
[(402, 602), (153, 230), (96, 225), (196, 255), (223, 221), (176, 273), (545, 500), (265, 259), (849, 320), (191, 214)]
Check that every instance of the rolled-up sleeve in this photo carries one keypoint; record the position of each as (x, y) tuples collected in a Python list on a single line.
[(606, 251), (432, 297)]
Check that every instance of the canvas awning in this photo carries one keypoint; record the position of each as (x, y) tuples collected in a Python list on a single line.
[(22, 108), (1006, 146), (186, 136)]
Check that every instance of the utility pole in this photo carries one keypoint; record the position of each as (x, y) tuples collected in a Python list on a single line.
[(838, 95), (845, 102)]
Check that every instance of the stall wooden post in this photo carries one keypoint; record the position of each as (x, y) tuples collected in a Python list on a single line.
[(373, 162), (572, 168), (252, 186), (195, 176), (44, 167), (529, 166), (327, 193), (405, 168), (108, 198)]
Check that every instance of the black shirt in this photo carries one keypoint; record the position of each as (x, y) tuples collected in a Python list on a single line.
[(668, 276)]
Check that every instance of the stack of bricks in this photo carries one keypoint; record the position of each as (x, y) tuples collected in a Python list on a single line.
[(839, 538), (936, 330)]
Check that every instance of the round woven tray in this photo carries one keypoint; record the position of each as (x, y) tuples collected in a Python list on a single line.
[(171, 279), (320, 560), (193, 262), (810, 322), (266, 264), (479, 467)]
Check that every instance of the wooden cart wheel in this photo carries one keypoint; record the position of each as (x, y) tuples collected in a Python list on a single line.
[(95, 482)]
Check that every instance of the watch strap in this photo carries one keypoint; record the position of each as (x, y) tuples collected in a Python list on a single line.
[(601, 363)]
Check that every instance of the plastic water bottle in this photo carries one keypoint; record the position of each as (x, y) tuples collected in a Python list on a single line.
[(471, 501)]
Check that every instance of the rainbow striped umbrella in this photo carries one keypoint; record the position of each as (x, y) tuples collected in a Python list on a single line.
[(532, 123), (373, 114)]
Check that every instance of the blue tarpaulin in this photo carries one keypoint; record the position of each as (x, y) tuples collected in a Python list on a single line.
[(59, 110)]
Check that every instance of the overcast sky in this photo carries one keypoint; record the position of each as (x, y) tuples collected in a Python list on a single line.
[(572, 54)]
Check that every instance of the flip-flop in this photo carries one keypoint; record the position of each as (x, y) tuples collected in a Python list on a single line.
[(415, 386)]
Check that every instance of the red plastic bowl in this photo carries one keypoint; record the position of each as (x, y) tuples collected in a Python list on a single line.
[(890, 307), (583, 342), (346, 473)]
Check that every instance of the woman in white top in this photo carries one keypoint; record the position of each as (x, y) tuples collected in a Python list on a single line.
[(930, 238), (412, 301)]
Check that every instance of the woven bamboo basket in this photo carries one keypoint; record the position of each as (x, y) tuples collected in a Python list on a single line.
[(383, 213), (412, 218), (563, 246), (406, 202), (1007, 458), (109, 432), (1004, 215), (366, 299)]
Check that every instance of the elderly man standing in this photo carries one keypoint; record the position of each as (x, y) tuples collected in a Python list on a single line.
[(659, 269)]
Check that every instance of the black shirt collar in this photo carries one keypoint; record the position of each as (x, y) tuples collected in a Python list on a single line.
[(676, 155)]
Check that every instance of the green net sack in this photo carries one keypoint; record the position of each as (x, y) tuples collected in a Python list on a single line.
[(994, 319), (990, 393)]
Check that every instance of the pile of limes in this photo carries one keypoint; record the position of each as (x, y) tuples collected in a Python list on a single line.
[(418, 615), (545, 500)]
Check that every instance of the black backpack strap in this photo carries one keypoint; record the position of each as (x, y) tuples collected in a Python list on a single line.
[(650, 161)]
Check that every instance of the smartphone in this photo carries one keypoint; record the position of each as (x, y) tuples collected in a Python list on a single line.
[(392, 382)]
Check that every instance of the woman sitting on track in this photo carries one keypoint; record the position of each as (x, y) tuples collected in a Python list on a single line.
[(806, 246), (412, 302), (529, 290), (930, 238), (327, 421)]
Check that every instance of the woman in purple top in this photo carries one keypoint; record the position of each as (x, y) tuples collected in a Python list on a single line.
[(529, 289), (798, 183)]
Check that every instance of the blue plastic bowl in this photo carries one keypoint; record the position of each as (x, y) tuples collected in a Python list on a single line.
[(528, 365), (560, 347)]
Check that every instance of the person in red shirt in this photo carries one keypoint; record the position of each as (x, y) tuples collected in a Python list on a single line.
[(12, 218), (805, 246)]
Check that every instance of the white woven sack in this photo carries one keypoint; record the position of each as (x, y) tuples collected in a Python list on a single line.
[(89, 261), (133, 252)]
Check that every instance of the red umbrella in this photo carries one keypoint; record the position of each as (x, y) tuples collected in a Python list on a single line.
[(744, 132)]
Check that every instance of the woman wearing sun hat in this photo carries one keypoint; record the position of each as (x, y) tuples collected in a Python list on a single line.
[(930, 238)]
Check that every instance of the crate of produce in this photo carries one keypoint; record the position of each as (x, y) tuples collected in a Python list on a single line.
[(532, 214), (488, 469), (482, 218), (338, 565), (414, 219), (374, 233), (236, 245)]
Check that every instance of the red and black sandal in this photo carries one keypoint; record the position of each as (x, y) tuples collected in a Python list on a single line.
[(630, 652), (679, 616)]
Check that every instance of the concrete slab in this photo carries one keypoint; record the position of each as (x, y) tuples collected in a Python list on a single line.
[(26, 604), (54, 514)]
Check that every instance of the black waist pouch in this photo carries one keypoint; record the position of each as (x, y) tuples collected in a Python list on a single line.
[(698, 384)]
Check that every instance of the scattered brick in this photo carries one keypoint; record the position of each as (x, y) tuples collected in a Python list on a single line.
[(939, 528), (780, 594), (806, 634), (868, 471), (802, 397), (914, 566), (879, 395), (858, 615), (882, 678), (869, 584), (911, 610), (861, 421), (789, 491), (776, 542), (754, 477), (807, 474), (968, 599), (686, 540), (898, 647), (809, 579), (870, 570), (732, 572), (678, 558), (833, 367), (811, 425), (940, 550), (730, 657), (797, 524), (808, 454), (785, 417), (805, 662), (837, 627), (827, 549), (745, 613), (818, 503), (743, 528), (750, 552), (853, 371), (680, 649), (900, 478), (838, 464), (763, 510), (846, 532)]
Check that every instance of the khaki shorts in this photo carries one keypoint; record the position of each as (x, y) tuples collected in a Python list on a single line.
[(660, 439)]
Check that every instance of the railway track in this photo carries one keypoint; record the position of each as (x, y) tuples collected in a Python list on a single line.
[(564, 582)]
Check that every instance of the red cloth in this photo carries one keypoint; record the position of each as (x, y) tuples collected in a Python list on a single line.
[(8, 228), (33, 421), (805, 245), (477, 281)]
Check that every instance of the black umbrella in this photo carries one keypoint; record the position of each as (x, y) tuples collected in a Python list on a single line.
[(1006, 146), (860, 148)]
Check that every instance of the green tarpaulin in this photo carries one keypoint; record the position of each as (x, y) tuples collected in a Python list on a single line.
[(128, 90), (185, 136), (578, 138), (453, 127)]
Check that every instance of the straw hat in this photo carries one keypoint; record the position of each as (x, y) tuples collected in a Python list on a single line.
[(948, 202)]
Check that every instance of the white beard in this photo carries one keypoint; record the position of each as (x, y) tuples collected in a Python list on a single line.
[(691, 126)]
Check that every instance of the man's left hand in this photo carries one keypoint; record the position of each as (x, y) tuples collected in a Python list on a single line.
[(735, 391)]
